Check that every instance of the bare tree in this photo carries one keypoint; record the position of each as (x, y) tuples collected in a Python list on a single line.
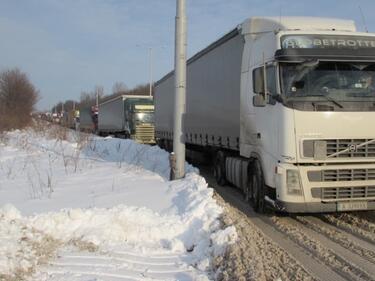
[(18, 97), (119, 88), (142, 89), (88, 99), (58, 107)]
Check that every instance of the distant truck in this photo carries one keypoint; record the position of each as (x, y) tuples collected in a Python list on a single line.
[(128, 116), (55, 118), (68, 119), (285, 107), (88, 117)]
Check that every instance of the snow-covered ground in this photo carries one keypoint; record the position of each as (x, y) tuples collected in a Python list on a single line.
[(78, 207)]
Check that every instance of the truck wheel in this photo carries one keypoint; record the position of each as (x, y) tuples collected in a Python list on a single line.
[(258, 188), (248, 192), (219, 168)]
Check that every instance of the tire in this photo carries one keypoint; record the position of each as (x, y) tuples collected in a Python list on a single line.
[(248, 189), (219, 168), (258, 188)]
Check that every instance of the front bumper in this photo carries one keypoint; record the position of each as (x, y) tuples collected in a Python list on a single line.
[(326, 194), (312, 207)]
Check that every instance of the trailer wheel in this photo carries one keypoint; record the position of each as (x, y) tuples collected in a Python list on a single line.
[(219, 168), (258, 188)]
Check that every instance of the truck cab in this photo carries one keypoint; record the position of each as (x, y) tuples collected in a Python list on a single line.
[(140, 120), (307, 108), (128, 116)]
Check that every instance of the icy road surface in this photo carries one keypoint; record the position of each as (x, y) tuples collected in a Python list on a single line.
[(76, 207), (339, 246)]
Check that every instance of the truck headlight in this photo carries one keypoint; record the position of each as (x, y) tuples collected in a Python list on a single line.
[(293, 182)]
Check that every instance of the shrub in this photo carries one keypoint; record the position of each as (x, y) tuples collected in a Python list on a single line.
[(18, 97)]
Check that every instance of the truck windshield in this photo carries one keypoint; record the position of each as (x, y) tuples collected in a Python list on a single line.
[(144, 117), (342, 85)]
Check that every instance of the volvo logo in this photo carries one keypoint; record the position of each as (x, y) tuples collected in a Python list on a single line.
[(352, 147)]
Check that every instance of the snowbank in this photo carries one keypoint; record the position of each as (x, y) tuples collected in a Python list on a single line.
[(151, 158), (103, 192)]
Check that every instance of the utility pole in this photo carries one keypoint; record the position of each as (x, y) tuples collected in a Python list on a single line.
[(180, 92), (151, 82)]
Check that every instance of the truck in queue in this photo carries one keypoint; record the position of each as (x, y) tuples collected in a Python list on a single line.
[(88, 119), (68, 119), (285, 108), (128, 116)]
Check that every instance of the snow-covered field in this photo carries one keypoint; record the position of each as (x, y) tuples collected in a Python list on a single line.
[(78, 207)]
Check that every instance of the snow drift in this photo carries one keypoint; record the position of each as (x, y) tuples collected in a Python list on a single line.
[(108, 193)]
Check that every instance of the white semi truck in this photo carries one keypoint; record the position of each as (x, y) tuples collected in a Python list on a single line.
[(287, 108)]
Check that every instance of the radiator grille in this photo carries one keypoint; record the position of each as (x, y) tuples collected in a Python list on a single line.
[(337, 145), (344, 192), (341, 175), (145, 134)]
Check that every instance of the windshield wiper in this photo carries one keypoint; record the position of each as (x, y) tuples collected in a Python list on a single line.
[(329, 99)]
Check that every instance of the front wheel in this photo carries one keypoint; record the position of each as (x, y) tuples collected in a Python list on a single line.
[(257, 188)]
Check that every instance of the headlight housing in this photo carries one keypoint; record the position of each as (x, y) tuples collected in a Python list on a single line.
[(293, 182)]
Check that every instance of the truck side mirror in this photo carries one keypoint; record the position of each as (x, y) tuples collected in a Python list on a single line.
[(258, 80), (259, 100)]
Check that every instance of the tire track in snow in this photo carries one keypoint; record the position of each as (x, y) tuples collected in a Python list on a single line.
[(59, 275), (349, 223), (113, 266), (350, 266), (318, 259), (368, 216), (112, 257), (280, 257), (159, 256), (80, 266), (345, 239), (363, 221)]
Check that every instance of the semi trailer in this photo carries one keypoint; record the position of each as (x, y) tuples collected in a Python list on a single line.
[(128, 116), (285, 106)]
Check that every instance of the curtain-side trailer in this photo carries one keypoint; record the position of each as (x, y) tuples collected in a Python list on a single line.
[(286, 107)]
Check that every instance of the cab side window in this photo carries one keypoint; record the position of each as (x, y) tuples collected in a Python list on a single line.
[(258, 80)]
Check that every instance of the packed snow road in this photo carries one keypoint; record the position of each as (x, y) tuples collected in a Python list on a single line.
[(319, 247)]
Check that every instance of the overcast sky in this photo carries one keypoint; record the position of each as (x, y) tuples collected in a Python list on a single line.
[(69, 46)]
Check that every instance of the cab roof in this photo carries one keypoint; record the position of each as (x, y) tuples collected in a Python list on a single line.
[(256, 25)]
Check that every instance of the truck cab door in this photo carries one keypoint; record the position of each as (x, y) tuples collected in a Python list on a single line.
[(263, 125)]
